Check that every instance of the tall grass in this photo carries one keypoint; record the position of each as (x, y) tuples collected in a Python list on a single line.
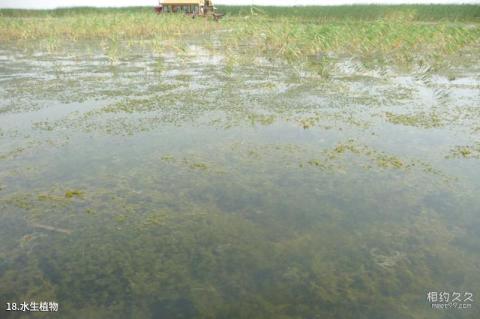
[(398, 37), (395, 33), (465, 12), (468, 12), (119, 24)]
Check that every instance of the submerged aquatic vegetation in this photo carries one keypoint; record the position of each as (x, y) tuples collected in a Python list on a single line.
[(420, 119), (375, 159), (73, 193), (12, 153), (466, 151), (180, 168)]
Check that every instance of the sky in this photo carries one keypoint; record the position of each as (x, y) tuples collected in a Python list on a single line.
[(48, 4)]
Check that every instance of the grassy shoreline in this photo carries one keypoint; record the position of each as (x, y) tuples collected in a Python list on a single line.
[(452, 12), (403, 34)]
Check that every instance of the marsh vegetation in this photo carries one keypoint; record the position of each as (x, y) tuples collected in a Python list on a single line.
[(281, 163)]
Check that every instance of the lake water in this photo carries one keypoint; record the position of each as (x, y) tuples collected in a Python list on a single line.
[(167, 186)]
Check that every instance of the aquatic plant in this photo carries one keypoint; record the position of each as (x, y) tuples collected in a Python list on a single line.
[(403, 35), (420, 119), (465, 151), (253, 178), (73, 193)]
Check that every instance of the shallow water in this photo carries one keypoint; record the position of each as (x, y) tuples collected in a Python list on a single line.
[(167, 186)]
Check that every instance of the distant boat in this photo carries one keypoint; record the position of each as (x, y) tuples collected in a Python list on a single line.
[(193, 8)]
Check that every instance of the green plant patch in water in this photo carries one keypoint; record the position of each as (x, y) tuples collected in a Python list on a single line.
[(73, 193), (467, 151), (422, 119)]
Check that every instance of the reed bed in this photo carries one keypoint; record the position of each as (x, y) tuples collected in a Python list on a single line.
[(400, 34), (365, 12), (120, 24), (397, 38)]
